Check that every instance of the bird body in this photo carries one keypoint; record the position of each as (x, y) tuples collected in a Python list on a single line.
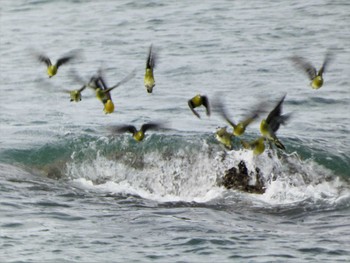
[(149, 81), (51, 70), (108, 107), (197, 101), (317, 82), (258, 146)]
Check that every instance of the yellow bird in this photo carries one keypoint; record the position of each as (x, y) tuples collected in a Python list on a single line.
[(239, 128), (52, 68), (270, 125), (103, 93), (138, 135), (150, 65), (315, 76), (258, 146), (224, 137), (75, 95), (197, 101)]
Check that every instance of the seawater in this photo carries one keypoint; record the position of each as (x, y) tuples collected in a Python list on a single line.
[(72, 191)]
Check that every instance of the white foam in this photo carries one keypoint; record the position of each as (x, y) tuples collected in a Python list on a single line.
[(192, 177)]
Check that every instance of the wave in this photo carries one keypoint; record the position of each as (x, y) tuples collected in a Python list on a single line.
[(187, 168)]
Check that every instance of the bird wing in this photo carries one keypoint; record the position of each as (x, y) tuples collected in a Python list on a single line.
[(326, 61), (206, 104), (94, 83), (222, 111), (45, 59), (125, 128), (76, 77), (150, 126), (151, 58), (276, 111), (254, 113), (62, 61), (101, 83), (124, 80), (69, 56), (82, 88), (305, 66), (190, 104), (276, 122)]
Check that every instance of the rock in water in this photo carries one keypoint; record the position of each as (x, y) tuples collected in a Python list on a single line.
[(239, 178)]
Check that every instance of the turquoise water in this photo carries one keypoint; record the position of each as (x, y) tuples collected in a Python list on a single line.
[(72, 191)]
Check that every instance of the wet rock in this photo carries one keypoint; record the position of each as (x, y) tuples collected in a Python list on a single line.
[(238, 178)]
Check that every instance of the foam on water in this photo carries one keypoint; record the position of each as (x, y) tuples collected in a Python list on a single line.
[(189, 175)]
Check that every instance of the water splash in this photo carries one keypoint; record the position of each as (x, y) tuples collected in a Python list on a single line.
[(191, 172)]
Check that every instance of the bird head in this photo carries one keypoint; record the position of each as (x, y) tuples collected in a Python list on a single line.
[(149, 89)]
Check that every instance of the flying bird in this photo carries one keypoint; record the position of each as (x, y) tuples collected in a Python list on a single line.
[(258, 146), (75, 95), (240, 127), (52, 68), (150, 65), (224, 137), (197, 101), (270, 125), (315, 76), (138, 135), (103, 92)]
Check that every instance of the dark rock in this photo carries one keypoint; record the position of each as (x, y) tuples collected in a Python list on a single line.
[(239, 178)]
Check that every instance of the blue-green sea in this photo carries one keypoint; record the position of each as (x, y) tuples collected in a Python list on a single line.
[(74, 190)]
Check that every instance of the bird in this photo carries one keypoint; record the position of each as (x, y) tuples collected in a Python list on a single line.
[(270, 125), (224, 137), (149, 81), (138, 135), (52, 68), (75, 95), (258, 146), (240, 127), (197, 101), (315, 76), (103, 92)]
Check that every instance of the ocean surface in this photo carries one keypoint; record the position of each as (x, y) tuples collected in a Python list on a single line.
[(72, 190)]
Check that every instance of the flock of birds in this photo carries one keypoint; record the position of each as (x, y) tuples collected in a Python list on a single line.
[(268, 126)]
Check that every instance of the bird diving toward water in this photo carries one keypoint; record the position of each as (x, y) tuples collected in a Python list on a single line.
[(138, 135), (258, 146), (103, 92), (75, 95), (52, 68), (240, 127), (197, 101), (150, 65), (315, 76), (224, 137), (270, 125)]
